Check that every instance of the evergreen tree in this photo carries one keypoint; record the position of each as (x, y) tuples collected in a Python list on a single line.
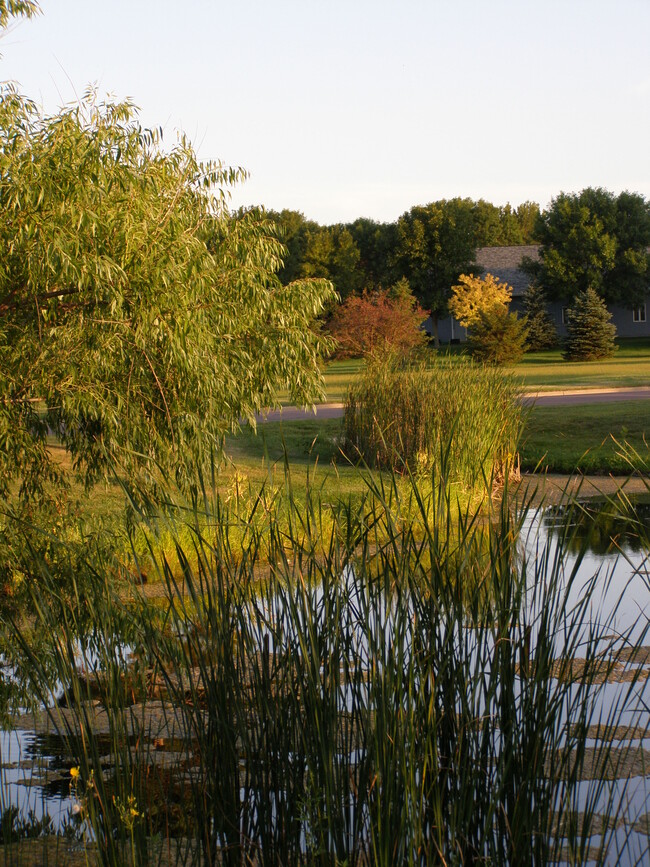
[(498, 337), (542, 333), (590, 334)]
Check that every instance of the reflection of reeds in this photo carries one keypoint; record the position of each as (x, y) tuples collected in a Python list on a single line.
[(390, 693)]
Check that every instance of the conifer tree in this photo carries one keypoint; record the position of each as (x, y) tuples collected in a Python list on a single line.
[(498, 337), (590, 333), (542, 333)]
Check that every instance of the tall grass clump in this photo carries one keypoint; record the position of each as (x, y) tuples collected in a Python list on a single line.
[(344, 688), (406, 414)]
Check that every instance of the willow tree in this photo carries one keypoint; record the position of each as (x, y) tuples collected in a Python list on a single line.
[(139, 320)]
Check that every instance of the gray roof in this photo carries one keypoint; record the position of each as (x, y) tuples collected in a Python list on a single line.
[(504, 263)]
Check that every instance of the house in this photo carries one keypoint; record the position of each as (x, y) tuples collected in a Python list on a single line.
[(505, 264)]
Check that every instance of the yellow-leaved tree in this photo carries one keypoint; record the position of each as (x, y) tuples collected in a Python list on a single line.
[(473, 296)]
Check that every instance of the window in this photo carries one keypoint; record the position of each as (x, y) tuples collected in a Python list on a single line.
[(638, 314)]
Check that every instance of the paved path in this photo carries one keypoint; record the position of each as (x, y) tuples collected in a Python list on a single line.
[(293, 413), (573, 397), (568, 397)]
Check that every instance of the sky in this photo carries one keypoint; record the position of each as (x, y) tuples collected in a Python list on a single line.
[(349, 108)]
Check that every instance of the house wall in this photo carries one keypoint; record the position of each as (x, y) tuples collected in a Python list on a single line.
[(625, 324), (449, 329), (622, 318)]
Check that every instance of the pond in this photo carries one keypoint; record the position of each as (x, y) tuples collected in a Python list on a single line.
[(35, 775)]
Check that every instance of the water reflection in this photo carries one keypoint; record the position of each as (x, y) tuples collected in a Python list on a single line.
[(34, 775), (553, 525), (602, 527)]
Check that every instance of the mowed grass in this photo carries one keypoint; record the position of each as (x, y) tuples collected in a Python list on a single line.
[(309, 449), (591, 438), (629, 367), (538, 371)]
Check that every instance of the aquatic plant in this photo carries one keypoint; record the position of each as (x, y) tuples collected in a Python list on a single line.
[(348, 686), (457, 413)]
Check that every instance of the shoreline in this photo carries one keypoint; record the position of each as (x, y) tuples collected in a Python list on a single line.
[(553, 487)]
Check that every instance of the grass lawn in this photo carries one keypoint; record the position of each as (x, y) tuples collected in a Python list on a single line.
[(311, 447), (559, 439), (538, 370), (547, 370), (589, 438)]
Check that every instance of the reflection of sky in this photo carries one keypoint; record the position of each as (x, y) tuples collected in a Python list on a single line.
[(621, 602), (20, 762), (622, 597)]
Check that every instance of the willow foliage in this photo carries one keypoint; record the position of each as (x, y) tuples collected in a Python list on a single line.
[(139, 320)]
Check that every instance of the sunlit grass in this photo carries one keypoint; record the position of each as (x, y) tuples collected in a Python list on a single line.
[(589, 438), (538, 370)]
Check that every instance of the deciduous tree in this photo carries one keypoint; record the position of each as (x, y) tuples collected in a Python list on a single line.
[(17, 9), (472, 296), (381, 321), (594, 239), (138, 320), (376, 244), (435, 245)]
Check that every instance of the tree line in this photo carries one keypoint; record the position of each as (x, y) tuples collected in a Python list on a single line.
[(369, 255), (593, 239)]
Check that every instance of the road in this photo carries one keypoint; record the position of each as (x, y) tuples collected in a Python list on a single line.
[(546, 398)]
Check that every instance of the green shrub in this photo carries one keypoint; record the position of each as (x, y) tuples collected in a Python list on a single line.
[(498, 337), (590, 332), (402, 416)]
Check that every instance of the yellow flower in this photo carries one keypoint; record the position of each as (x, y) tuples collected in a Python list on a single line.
[(74, 773)]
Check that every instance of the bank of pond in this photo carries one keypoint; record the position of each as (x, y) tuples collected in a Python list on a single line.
[(402, 681)]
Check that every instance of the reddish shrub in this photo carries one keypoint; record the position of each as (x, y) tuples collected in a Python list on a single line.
[(389, 319)]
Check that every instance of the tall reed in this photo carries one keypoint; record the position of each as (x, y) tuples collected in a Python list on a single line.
[(344, 688), (399, 413)]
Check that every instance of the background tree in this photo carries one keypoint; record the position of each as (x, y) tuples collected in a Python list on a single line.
[(496, 226), (472, 296), (380, 321), (435, 245), (590, 332), (528, 215), (542, 333), (332, 254), (594, 239), (141, 316), (376, 244), (294, 231)]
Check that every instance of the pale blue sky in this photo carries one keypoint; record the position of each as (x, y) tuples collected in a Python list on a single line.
[(350, 108)]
